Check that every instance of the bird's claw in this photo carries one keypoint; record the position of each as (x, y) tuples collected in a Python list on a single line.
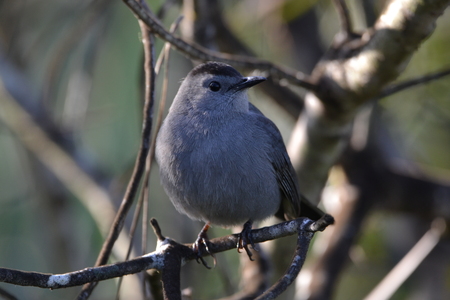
[(201, 245), (246, 239)]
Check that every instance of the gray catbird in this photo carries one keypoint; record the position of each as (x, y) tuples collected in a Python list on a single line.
[(221, 160)]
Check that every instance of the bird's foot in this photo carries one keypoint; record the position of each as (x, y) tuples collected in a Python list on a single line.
[(201, 245), (246, 239)]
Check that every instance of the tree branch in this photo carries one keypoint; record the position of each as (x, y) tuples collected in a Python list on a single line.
[(167, 250), (139, 167), (304, 238), (209, 29), (397, 276), (197, 52), (400, 86), (350, 76), (344, 17)]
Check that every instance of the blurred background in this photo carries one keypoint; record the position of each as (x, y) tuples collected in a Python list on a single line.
[(70, 120)]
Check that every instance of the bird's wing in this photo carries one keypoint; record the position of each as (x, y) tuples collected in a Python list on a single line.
[(294, 204), (285, 173)]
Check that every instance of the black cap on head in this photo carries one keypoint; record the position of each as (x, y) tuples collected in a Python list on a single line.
[(215, 68)]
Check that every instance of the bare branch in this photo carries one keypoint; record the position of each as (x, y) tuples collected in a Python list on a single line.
[(48, 281), (157, 229), (208, 15), (386, 288), (197, 52), (167, 251), (154, 278), (344, 17), (351, 76), (400, 86), (140, 161), (304, 238), (139, 167)]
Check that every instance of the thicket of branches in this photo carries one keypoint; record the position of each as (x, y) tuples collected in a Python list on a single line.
[(76, 175)]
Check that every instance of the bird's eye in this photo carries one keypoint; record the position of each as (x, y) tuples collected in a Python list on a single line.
[(214, 86)]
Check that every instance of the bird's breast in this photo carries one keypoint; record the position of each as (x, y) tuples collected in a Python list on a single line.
[(219, 173)]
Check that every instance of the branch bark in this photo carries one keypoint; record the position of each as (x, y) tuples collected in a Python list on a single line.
[(197, 52), (139, 167), (170, 256), (350, 74)]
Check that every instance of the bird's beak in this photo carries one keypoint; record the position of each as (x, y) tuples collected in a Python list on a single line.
[(248, 82)]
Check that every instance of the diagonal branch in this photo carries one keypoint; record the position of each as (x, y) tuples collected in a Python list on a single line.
[(400, 86), (196, 52), (209, 29), (348, 78), (344, 17), (396, 277), (139, 167)]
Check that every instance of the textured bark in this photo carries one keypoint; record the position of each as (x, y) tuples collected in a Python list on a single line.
[(355, 70)]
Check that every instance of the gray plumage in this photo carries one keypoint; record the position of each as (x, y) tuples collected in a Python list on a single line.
[(221, 160)]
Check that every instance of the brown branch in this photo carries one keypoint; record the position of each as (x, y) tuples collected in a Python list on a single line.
[(149, 82), (197, 52), (400, 86), (154, 278), (350, 76), (165, 55), (139, 166), (374, 183), (404, 268), (344, 17)]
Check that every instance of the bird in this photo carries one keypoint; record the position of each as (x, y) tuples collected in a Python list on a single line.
[(221, 161)]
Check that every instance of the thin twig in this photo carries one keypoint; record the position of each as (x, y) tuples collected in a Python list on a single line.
[(197, 52), (150, 74), (164, 9), (133, 227), (157, 230), (386, 288), (304, 238), (142, 205), (165, 55), (213, 32), (139, 167), (397, 87), (344, 17), (144, 197)]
